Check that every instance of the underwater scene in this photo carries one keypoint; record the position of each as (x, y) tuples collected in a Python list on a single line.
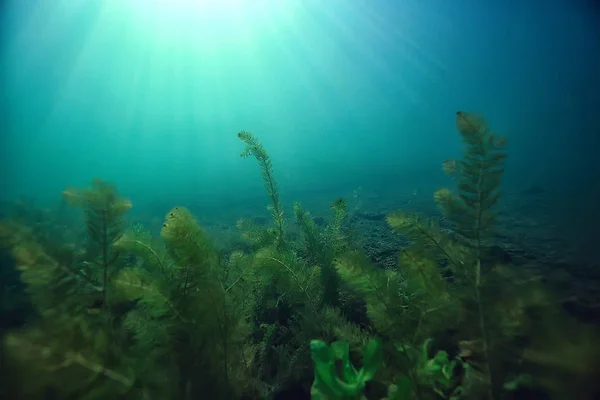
[(299, 199)]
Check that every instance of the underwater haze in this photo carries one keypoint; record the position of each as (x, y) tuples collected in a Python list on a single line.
[(150, 94)]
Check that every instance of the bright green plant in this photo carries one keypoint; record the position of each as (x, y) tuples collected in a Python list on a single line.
[(438, 373), (350, 384)]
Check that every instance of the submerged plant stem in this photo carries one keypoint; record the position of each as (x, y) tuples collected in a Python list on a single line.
[(482, 328)]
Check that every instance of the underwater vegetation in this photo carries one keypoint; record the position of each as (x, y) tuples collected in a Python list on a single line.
[(120, 313)]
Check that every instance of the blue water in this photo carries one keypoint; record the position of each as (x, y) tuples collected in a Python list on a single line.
[(343, 94)]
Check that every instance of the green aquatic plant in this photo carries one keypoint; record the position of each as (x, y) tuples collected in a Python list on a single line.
[(434, 298), (294, 280), (336, 230), (323, 246), (255, 148), (328, 384), (471, 213), (478, 177), (382, 291), (77, 347), (256, 235), (407, 303), (438, 372), (337, 378), (299, 282), (103, 209), (288, 309), (175, 322), (200, 303), (404, 304)]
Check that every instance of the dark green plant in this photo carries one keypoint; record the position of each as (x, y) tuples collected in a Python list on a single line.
[(402, 390)]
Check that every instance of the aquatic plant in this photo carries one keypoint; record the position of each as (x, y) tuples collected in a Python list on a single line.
[(172, 324), (439, 372), (336, 377), (129, 315), (295, 280), (103, 209), (478, 176), (201, 302), (77, 346), (323, 246), (404, 305), (255, 148), (328, 385)]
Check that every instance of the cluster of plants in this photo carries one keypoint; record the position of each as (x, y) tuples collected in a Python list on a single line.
[(121, 313)]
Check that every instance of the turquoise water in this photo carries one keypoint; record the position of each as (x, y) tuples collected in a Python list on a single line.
[(358, 103), (150, 95)]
